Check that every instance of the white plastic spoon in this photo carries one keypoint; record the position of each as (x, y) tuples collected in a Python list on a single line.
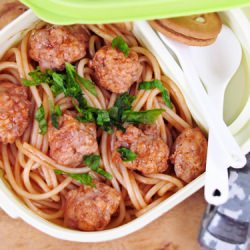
[(216, 64), (223, 150)]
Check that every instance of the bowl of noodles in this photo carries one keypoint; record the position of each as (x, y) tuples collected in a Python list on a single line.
[(99, 135)]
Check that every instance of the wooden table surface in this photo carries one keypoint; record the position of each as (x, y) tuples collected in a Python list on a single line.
[(175, 230)]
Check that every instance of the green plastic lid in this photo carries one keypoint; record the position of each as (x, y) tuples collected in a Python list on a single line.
[(109, 11)]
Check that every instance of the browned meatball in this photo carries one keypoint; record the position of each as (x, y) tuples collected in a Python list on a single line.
[(114, 71), (90, 209), (189, 154), (152, 152), (14, 111), (52, 46), (71, 141)]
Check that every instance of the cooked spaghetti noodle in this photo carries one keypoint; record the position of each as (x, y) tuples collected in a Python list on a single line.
[(30, 170)]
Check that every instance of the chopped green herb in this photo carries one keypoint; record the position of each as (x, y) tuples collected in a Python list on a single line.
[(71, 72), (103, 120), (104, 173), (108, 128), (55, 114), (58, 83), (40, 118), (126, 154), (158, 84), (142, 117), (83, 104), (72, 87), (121, 112), (93, 162), (67, 82), (38, 77), (88, 84), (86, 116), (120, 44), (123, 102), (83, 178), (100, 116), (58, 110)]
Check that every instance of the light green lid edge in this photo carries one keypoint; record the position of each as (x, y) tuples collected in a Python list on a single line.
[(109, 11)]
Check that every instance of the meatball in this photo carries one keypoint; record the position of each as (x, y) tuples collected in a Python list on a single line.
[(71, 141), (52, 46), (14, 111), (90, 209), (114, 71), (152, 152), (189, 154)]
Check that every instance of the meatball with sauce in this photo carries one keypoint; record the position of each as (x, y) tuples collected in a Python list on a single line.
[(14, 111), (90, 208), (114, 71), (152, 152), (189, 154), (71, 141), (52, 46)]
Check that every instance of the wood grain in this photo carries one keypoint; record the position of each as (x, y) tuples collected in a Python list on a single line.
[(176, 230), (9, 10)]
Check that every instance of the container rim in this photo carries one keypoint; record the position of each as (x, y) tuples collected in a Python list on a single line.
[(16, 209)]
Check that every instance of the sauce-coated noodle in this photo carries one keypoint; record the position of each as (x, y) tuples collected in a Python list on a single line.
[(27, 165)]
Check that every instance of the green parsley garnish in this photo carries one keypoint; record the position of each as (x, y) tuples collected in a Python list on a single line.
[(141, 117), (88, 84), (99, 116), (126, 154), (40, 118), (120, 44), (38, 77), (86, 116), (123, 103), (120, 113), (104, 121), (55, 114), (93, 162), (157, 84), (107, 119), (67, 82), (58, 83), (83, 178), (72, 87)]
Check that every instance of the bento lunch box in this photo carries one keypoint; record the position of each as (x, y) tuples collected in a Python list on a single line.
[(237, 115)]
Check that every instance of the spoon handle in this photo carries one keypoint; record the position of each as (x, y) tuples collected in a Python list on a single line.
[(217, 99), (238, 158), (214, 121), (216, 181), (218, 156), (223, 150)]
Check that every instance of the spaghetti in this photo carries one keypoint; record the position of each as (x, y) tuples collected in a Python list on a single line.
[(30, 170)]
